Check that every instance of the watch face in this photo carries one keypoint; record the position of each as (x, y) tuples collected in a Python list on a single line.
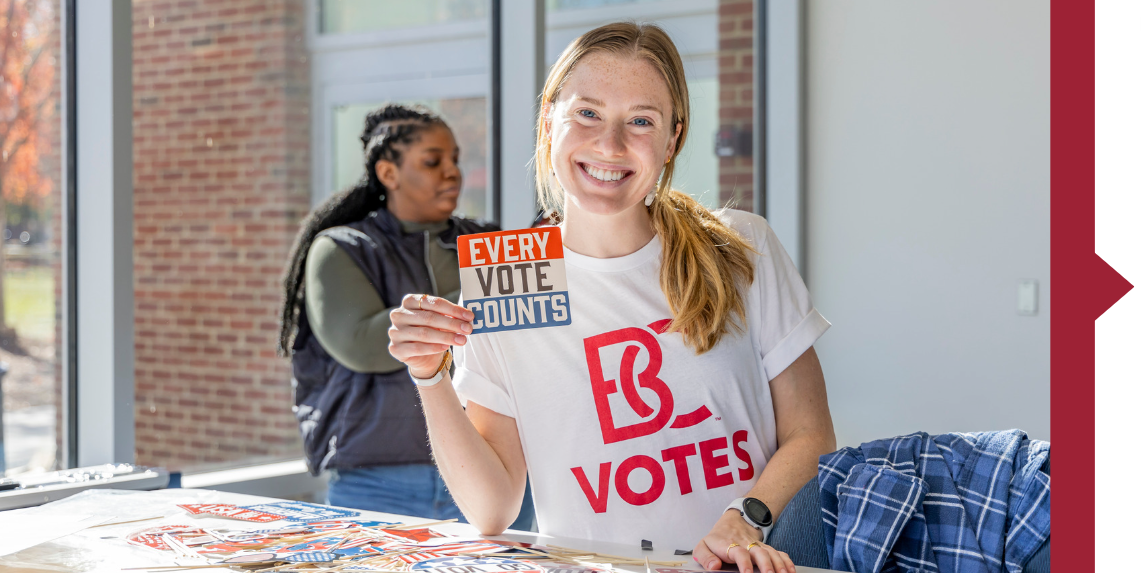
[(758, 511)]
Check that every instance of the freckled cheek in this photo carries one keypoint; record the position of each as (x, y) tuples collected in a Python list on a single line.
[(563, 147), (645, 148)]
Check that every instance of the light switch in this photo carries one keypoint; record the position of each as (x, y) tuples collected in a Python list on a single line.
[(1028, 297)]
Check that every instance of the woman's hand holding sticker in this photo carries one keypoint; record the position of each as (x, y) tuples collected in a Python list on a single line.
[(423, 329)]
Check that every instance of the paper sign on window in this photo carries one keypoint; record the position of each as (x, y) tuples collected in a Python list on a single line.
[(512, 280)]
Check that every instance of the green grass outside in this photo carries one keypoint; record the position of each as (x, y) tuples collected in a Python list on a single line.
[(29, 302)]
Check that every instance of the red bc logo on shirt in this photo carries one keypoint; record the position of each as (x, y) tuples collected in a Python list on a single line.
[(647, 379)]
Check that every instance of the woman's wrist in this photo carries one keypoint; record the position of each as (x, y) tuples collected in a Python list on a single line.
[(430, 372), (421, 375)]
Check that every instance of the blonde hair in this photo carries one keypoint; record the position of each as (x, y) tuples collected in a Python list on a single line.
[(705, 263)]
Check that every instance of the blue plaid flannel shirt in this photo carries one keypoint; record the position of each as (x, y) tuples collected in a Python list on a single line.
[(959, 503)]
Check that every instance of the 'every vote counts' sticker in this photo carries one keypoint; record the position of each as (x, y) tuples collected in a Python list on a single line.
[(512, 280)]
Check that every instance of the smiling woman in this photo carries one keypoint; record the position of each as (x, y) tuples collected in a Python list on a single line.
[(628, 127), (699, 320), (611, 124)]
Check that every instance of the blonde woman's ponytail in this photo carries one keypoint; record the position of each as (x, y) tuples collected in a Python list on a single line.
[(706, 269)]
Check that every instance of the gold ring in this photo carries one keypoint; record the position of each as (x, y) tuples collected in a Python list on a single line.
[(731, 545), (420, 301), (751, 545)]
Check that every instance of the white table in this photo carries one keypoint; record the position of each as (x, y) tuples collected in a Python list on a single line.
[(102, 549)]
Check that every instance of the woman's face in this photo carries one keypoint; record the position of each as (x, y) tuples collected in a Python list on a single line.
[(610, 132), (425, 185)]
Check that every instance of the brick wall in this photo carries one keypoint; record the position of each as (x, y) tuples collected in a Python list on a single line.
[(221, 144), (735, 69)]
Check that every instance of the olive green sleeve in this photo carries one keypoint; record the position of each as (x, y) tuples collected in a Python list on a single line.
[(344, 310), (453, 297)]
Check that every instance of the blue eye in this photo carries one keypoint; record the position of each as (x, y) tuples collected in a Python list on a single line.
[(588, 113), (642, 122)]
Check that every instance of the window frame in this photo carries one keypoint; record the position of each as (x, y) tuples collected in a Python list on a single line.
[(69, 267), (321, 41), (99, 170), (699, 54), (449, 60), (327, 100)]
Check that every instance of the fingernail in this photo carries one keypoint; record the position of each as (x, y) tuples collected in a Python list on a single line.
[(461, 339), (710, 564), (465, 327)]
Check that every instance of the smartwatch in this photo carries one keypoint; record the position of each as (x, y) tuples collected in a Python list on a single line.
[(755, 513)]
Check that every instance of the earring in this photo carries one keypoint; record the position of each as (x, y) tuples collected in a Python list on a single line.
[(650, 198), (383, 197)]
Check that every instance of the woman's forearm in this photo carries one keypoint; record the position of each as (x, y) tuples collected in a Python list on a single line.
[(792, 466), (485, 489), (478, 451), (804, 431)]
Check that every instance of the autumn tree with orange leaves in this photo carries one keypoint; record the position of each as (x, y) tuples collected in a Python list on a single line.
[(27, 104)]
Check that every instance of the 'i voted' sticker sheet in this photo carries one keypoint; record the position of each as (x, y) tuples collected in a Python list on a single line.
[(513, 280)]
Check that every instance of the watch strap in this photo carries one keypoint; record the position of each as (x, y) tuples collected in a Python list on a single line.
[(765, 533), (445, 365), (739, 505)]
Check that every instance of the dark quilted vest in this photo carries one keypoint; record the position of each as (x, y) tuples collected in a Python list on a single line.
[(355, 419)]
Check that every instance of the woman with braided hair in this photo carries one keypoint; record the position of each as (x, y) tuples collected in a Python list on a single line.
[(355, 258)]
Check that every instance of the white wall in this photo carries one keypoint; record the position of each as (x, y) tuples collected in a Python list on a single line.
[(928, 154)]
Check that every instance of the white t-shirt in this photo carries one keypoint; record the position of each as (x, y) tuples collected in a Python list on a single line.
[(628, 434)]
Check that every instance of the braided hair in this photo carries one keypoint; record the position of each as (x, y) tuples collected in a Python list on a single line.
[(387, 132)]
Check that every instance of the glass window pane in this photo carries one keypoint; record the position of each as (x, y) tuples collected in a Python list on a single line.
[(466, 116), (697, 169), (30, 270), (341, 16), (575, 4)]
